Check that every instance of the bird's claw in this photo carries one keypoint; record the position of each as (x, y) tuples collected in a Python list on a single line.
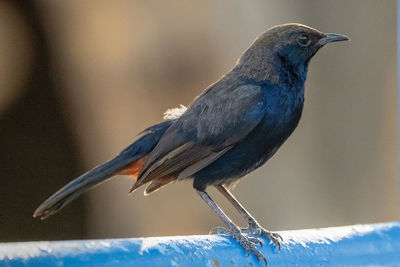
[(247, 243), (274, 238)]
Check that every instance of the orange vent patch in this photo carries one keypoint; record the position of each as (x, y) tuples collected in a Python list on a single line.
[(133, 168)]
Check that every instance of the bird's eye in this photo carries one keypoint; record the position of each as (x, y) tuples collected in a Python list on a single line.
[(303, 40)]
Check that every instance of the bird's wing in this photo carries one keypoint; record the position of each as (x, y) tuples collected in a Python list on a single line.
[(212, 125)]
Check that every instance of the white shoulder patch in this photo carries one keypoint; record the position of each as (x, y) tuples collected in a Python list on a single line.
[(174, 113)]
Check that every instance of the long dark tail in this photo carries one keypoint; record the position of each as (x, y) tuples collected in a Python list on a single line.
[(99, 174)]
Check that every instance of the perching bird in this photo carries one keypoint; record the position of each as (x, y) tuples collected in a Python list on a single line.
[(230, 129)]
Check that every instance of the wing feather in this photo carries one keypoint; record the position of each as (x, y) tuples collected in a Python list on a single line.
[(211, 126)]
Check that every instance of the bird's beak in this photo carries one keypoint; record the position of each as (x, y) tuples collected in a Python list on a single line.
[(332, 37)]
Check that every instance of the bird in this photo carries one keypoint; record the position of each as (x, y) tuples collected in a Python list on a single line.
[(233, 127)]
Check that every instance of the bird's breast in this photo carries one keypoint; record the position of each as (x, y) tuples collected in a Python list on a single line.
[(283, 112)]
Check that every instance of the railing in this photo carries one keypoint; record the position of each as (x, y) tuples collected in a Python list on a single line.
[(359, 245)]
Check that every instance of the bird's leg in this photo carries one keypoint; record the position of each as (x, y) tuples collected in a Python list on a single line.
[(254, 226), (232, 230)]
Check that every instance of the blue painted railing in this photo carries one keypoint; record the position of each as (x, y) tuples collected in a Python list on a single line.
[(359, 245)]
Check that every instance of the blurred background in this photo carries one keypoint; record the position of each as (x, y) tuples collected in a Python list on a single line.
[(79, 80)]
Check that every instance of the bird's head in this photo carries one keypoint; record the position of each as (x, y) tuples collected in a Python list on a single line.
[(290, 45), (297, 43)]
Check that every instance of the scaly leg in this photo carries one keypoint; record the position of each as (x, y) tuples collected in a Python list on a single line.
[(232, 230), (254, 227)]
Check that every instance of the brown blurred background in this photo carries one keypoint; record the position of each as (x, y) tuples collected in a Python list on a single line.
[(79, 79)]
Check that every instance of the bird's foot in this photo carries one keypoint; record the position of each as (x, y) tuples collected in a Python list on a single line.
[(247, 243), (274, 238)]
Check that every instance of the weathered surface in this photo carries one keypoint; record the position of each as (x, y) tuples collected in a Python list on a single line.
[(374, 244)]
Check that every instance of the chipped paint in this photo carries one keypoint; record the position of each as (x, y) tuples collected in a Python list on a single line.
[(216, 262)]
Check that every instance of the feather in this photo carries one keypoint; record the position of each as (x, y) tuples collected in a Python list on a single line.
[(174, 113)]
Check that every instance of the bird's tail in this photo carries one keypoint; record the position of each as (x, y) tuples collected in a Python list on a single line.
[(101, 173)]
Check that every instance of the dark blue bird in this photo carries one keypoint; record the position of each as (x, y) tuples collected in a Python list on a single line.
[(230, 129)]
